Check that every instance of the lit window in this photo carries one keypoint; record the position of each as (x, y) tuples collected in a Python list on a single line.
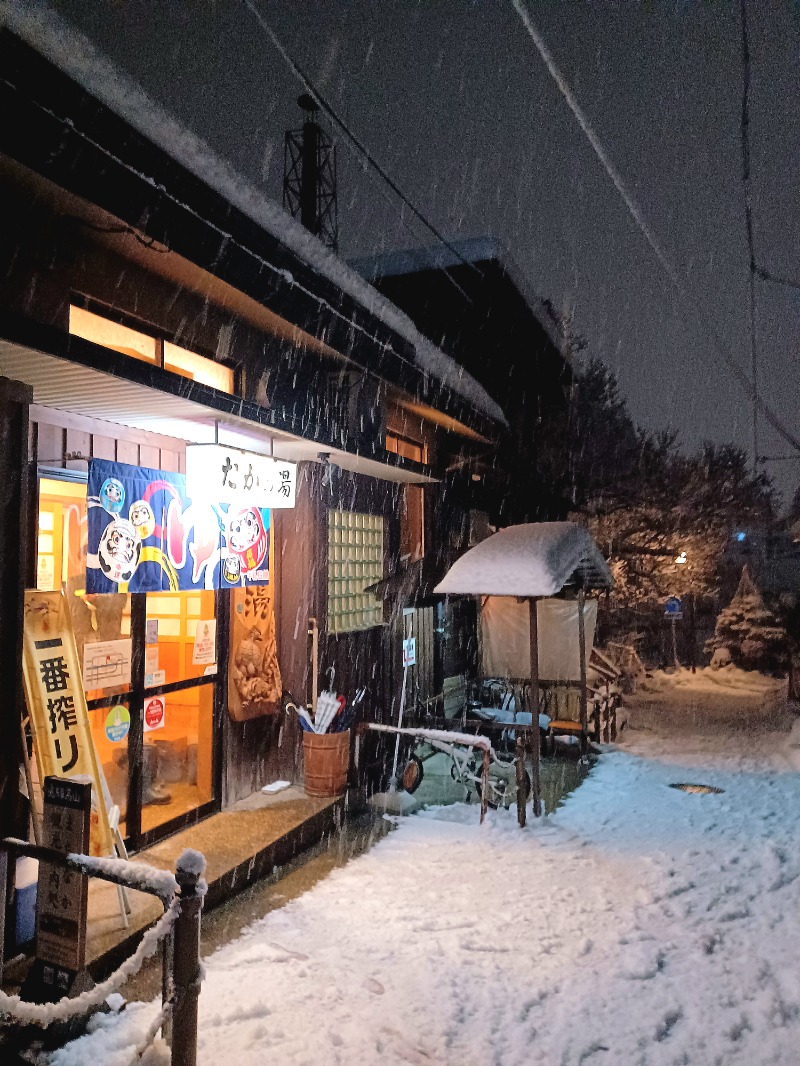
[(110, 334), (355, 561), (132, 342), (407, 447), (188, 365)]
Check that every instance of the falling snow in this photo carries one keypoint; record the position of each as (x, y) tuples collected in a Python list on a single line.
[(639, 924)]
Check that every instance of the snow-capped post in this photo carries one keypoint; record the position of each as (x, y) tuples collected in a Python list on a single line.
[(582, 662), (186, 966), (535, 746)]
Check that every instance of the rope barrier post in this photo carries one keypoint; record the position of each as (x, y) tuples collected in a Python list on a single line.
[(186, 973), (520, 771), (484, 784)]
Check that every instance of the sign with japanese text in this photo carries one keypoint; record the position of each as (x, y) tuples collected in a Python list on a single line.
[(410, 651), (205, 643), (146, 534), (57, 705), (61, 902), (153, 713), (229, 475)]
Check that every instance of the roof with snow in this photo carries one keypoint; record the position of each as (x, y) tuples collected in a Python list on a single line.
[(455, 255), (53, 37), (534, 559)]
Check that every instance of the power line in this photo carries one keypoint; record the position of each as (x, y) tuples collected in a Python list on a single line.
[(637, 215), (748, 218), (776, 279), (357, 143)]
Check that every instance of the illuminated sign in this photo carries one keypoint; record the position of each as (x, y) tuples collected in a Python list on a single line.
[(228, 475)]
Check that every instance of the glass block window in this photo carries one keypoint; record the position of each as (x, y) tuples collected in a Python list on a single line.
[(355, 561)]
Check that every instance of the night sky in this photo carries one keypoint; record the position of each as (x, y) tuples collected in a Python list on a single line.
[(452, 97)]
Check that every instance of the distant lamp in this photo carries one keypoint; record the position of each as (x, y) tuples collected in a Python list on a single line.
[(681, 559)]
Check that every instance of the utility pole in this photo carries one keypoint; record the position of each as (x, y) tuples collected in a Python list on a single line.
[(309, 176)]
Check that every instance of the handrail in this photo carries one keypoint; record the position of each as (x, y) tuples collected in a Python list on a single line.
[(182, 897)]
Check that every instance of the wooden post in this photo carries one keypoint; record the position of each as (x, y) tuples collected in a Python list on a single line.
[(582, 661), (4, 871), (520, 768), (536, 781), (186, 967), (484, 785)]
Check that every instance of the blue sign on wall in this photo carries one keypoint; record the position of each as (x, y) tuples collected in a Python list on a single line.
[(146, 535)]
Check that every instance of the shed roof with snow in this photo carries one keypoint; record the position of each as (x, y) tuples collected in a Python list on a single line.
[(534, 559)]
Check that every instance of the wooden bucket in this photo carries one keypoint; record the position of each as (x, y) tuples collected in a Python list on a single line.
[(326, 758)]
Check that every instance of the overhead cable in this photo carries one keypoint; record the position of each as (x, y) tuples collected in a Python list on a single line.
[(680, 284), (744, 138)]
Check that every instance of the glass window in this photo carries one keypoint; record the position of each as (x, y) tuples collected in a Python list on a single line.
[(138, 345), (197, 367), (176, 768), (176, 623), (355, 561), (110, 334), (96, 619), (405, 446), (110, 727)]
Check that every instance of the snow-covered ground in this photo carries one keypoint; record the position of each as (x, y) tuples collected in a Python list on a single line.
[(637, 925)]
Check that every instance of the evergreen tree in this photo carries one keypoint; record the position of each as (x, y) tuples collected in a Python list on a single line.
[(749, 630)]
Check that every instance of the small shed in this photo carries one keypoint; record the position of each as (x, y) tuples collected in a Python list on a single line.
[(534, 561)]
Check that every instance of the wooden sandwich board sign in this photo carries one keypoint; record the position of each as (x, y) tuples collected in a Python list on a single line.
[(57, 705), (62, 896)]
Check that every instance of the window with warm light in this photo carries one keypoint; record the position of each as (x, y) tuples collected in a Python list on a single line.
[(355, 561), (407, 447), (138, 345)]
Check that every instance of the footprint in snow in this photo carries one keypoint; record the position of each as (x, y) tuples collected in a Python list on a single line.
[(288, 953), (374, 986)]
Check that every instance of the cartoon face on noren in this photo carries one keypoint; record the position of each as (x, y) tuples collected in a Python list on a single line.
[(112, 495), (142, 518), (245, 529), (119, 550)]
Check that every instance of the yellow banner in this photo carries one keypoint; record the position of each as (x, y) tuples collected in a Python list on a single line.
[(57, 705)]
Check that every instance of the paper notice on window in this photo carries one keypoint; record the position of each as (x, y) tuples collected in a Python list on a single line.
[(106, 664), (205, 643)]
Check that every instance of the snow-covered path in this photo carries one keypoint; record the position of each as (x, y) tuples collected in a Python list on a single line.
[(638, 925)]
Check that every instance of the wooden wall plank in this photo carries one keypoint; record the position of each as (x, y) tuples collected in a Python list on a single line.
[(127, 452), (169, 461), (104, 447), (79, 443), (49, 445), (149, 456)]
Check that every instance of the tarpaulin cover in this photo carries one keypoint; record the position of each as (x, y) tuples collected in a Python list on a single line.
[(146, 535), (505, 638)]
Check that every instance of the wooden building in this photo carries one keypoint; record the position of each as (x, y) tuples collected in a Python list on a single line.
[(474, 302), (151, 301)]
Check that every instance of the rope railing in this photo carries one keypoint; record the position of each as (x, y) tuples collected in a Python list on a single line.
[(182, 897)]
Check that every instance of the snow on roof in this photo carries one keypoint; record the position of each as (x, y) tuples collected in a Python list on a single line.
[(468, 251), (535, 559), (46, 31)]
